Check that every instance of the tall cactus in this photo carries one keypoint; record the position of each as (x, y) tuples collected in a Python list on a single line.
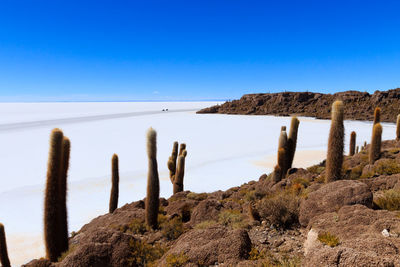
[(172, 161), (4, 260), (52, 200), (114, 184), (398, 128), (292, 141), (377, 115), (180, 172), (153, 183), (182, 147), (62, 193), (352, 149), (334, 159), (375, 147)]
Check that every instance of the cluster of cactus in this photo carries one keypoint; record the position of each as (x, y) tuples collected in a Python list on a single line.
[(286, 150), (4, 260), (334, 158), (55, 206), (153, 183), (176, 166), (114, 184)]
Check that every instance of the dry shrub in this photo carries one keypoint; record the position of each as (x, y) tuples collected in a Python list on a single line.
[(232, 218), (176, 260), (390, 200), (172, 229), (144, 254), (281, 209), (328, 239)]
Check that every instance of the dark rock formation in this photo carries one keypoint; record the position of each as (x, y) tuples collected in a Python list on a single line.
[(357, 105)]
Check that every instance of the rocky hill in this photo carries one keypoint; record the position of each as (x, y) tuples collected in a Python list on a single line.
[(299, 221), (358, 105)]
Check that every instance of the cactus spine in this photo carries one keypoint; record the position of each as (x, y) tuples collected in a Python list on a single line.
[(177, 172), (62, 194), (352, 149), (52, 199), (375, 147), (398, 128), (153, 183), (377, 115), (292, 141), (4, 260), (114, 184), (334, 159)]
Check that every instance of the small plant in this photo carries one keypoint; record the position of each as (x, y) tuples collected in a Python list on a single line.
[(281, 209), (390, 200), (176, 260), (205, 224), (328, 239), (136, 226), (172, 229), (256, 254), (196, 196), (143, 254), (232, 218)]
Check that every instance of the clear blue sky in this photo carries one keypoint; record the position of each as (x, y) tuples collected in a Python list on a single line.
[(160, 50)]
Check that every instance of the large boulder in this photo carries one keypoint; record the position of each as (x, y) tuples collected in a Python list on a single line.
[(366, 238), (333, 196), (209, 246), (206, 210)]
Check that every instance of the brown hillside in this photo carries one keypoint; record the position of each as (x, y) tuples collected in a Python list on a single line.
[(358, 105)]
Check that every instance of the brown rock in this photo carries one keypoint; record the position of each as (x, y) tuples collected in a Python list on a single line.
[(213, 245), (206, 210), (333, 196), (359, 230), (358, 105)]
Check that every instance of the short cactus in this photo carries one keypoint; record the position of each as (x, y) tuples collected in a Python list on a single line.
[(398, 128), (4, 260), (114, 184), (357, 149), (375, 147), (153, 183), (334, 159), (177, 172), (352, 149), (377, 115)]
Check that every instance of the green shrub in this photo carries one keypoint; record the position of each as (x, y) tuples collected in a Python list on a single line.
[(328, 239), (195, 196), (281, 209), (317, 169), (176, 260), (143, 254), (390, 200), (172, 229), (232, 218), (205, 224), (136, 226)]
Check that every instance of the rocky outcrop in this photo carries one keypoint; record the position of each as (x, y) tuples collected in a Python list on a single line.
[(366, 238), (333, 196), (357, 105), (212, 246)]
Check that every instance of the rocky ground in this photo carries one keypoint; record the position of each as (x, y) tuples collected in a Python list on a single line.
[(299, 221), (358, 105)]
